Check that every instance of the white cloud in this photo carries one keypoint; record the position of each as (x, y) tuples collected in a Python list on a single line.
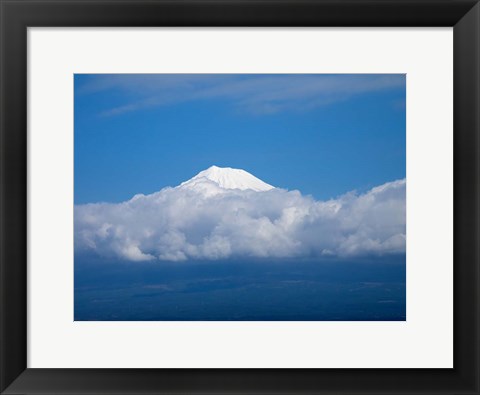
[(178, 224)]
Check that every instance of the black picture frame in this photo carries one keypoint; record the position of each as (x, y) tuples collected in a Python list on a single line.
[(17, 15)]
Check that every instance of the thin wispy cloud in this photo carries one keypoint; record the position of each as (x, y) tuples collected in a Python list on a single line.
[(254, 94)]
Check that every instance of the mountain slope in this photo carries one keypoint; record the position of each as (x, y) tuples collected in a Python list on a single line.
[(215, 178)]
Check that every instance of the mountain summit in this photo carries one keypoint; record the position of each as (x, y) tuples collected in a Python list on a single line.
[(226, 178)]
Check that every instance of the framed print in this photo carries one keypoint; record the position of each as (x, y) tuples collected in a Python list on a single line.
[(253, 197)]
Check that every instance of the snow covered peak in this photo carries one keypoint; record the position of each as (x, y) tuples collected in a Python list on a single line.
[(227, 178)]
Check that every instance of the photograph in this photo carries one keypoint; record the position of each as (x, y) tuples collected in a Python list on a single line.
[(240, 197)]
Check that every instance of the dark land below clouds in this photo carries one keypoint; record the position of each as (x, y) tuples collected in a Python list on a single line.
[(366, 289)]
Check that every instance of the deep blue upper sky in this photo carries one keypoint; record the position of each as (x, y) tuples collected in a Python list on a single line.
[(321, 134)]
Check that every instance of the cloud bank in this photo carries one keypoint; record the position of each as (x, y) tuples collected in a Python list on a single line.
[(254, 94), (178, 224)]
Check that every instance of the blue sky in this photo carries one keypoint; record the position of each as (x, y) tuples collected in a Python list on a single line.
[(321, 134)]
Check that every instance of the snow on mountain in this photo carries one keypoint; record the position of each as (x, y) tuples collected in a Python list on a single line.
[(218, 179)]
